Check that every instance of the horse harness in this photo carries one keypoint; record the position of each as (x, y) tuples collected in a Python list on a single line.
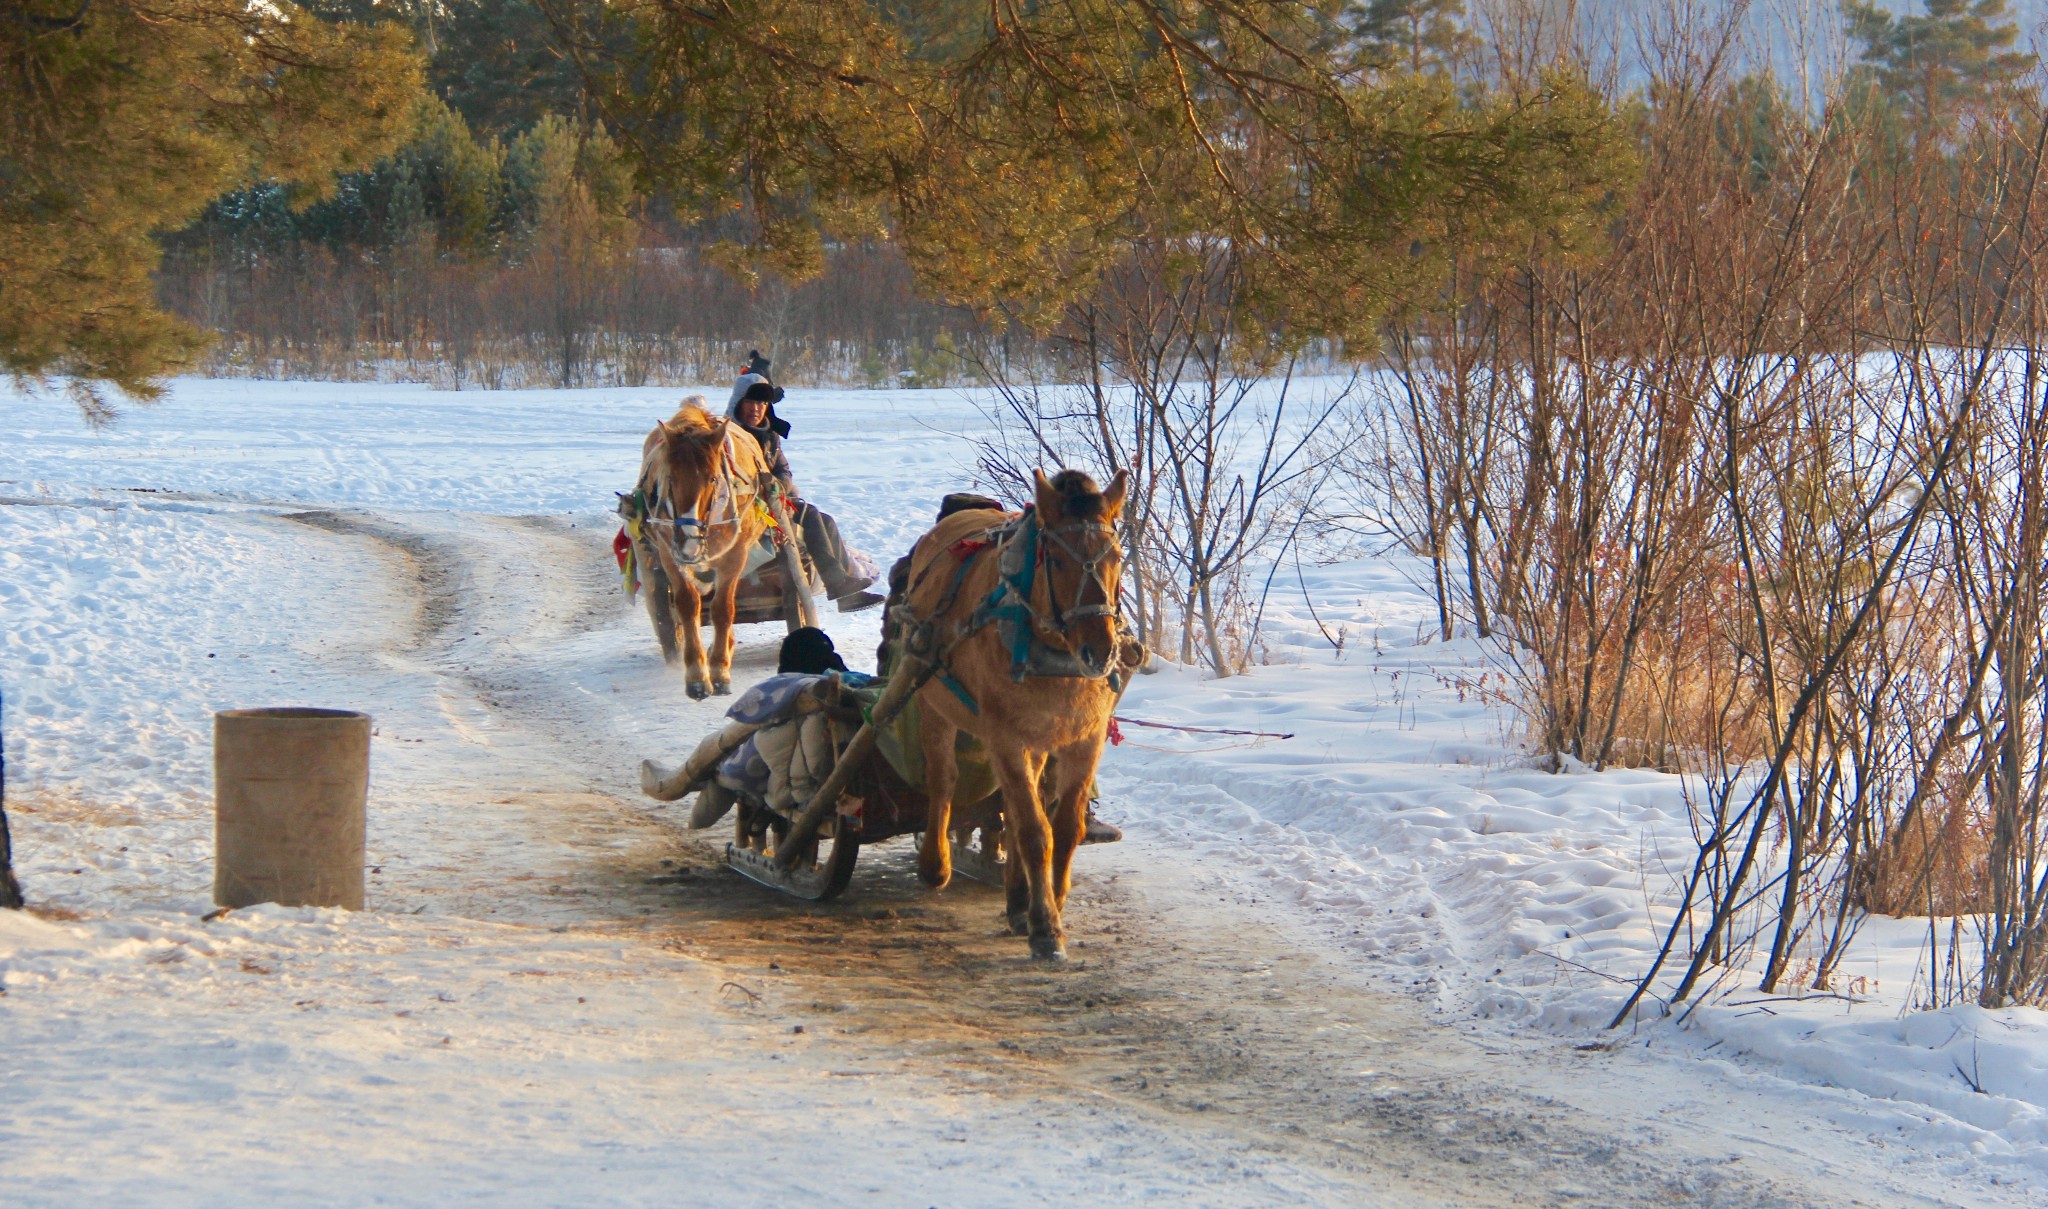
[(650, 508), (1024, 627)]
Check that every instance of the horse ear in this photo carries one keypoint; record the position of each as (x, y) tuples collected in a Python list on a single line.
[(1113, 497), (1048, 500)]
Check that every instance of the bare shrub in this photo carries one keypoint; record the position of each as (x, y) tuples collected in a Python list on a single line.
[(1758, 492), (655, 314), (1214, 427)]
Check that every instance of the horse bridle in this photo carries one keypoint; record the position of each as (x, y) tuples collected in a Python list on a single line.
[(1091, 572), (687, 531)]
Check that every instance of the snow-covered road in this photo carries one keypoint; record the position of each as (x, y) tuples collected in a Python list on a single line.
[(558, 997)]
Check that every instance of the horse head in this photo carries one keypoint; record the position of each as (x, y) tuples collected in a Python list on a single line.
[(681, 464), (1082, 562)]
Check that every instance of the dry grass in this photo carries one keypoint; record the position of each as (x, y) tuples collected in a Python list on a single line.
[(1936, 864), (65, 809)]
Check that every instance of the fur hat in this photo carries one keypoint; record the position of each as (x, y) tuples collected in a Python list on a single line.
[(809, 650), (745, 388)]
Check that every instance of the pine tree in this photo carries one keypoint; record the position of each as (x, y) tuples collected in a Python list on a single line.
[(1958, 52), (1013, 171), (571, 197), (121, 119), (1410, 35), (462, 181), (939, 30), (497, 63)]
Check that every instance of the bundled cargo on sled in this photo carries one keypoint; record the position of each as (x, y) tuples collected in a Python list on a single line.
[(782, 742)]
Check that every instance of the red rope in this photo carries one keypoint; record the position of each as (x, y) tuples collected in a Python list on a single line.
[(1116, 735)]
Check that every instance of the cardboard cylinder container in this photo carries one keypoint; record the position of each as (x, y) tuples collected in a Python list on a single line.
[(289, 790)]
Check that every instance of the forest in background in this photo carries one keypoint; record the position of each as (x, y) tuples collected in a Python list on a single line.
[(508, 244)]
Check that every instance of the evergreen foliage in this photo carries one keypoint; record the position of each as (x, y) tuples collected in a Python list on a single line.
[(120, 119), (1750, 122), (1958, 52), (1015, 171), (1416, 35), (555, 174), (495, 62)]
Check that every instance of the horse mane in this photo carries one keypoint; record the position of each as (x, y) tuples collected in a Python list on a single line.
[(693, 441), (1080, 498)]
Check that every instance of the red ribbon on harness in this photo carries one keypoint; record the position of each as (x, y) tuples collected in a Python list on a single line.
[(968, 547), (1116, 733), (622, 548)]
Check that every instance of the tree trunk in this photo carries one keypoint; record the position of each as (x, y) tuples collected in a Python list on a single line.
[(1216, 659), (10, 890)]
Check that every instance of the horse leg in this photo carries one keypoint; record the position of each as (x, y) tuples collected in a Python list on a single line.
[(689, 620), (1075, 769), (1030, 844), (658, 608), (935, 854), (1016, 891), (724, 603)]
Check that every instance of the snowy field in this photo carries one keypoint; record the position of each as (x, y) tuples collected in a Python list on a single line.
[(517, 1014)]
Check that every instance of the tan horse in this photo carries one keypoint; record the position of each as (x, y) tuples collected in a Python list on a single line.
[(701, 479), (1021, 714)]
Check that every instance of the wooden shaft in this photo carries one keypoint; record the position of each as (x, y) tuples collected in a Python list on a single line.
[(792, 566), (910, 676)]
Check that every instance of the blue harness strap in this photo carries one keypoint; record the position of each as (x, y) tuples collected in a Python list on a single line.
[(1015, 613), (959, 690), (1008, 604)]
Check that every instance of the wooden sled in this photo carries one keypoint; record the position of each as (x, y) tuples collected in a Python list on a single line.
[(810, 853)]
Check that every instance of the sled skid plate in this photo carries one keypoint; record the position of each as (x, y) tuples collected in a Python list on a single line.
[(816, 884), (972, 858)]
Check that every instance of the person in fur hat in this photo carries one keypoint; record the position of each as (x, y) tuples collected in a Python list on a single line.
[(756, 373), (846, 573)]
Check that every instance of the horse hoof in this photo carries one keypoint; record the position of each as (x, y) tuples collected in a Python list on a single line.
[(722, 687), (699, 690), (1020, 924), (1048, 948), (934, 873)]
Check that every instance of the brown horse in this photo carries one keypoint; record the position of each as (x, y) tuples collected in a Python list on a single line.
[(1056, 704), (701, 480)]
